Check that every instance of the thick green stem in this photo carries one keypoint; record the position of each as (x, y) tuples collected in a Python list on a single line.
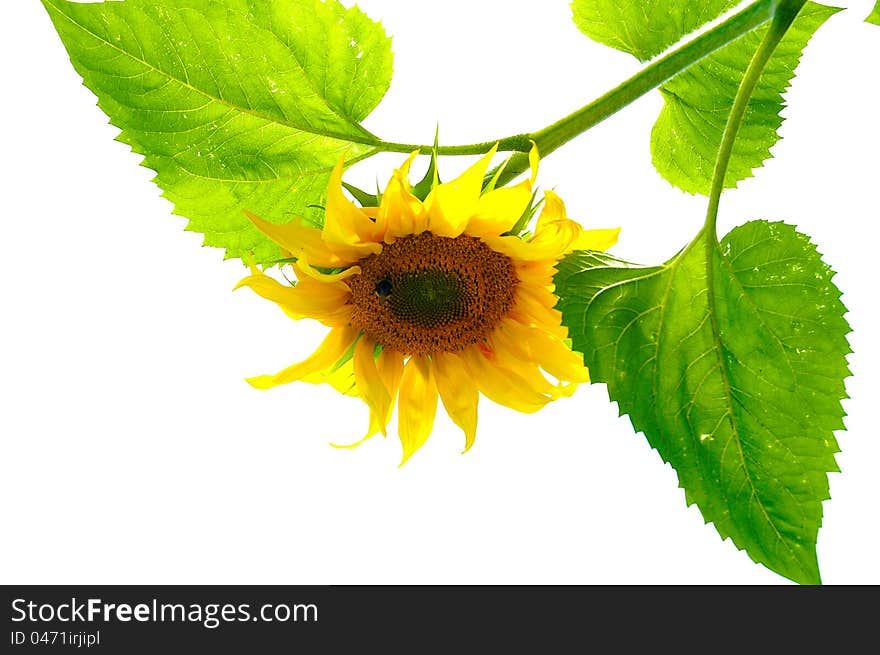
[(652, 76), (784, 15), (649, 78), (516, 143)]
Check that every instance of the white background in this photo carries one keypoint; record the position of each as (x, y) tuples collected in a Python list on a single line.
[(134, 452)]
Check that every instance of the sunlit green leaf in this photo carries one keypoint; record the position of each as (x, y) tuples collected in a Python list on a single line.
[(685, 139), (874, 16), (234, 103), (644, 29), (731, 359)]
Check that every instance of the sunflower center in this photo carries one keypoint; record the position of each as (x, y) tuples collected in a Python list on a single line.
[(429, 297), (424, 293)]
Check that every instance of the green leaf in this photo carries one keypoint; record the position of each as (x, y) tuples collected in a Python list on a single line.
[(234, 103), (644, 29), (874, 16), (731, 359), (685, 139)]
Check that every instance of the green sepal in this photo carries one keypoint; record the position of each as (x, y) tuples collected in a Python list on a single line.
[(523, 221), (365, 198), (432, 176)]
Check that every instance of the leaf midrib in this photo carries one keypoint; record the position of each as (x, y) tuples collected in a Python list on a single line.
[(312, 172), (713, 250), (249, 111), (671, 267)]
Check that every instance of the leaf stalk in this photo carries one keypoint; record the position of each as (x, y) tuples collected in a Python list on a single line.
[(784, 13)]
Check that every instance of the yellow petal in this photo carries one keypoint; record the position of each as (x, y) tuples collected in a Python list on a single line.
[(553, 210), (370, 385), (534, 250), (339, 376), (540, 294), (565, 364), (417, 405), (530, 309), (545, 349), (523, 349), (400, 212), (347, 229), (499, 210), (555, 226), (303, 267), (536, 273), (555, 235), (390, 367), (539, 303), (299, 240), (596, 239), (450, 205), (534, 158), (403, 171), (500, 384), (327, 303), (459, 393), (374, 427), (372, 431), (526, 369), (334, 346)]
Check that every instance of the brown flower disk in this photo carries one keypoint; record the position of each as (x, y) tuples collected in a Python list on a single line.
[(424, 293)]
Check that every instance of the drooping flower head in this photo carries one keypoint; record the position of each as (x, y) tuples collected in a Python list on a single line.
[(432, 299)]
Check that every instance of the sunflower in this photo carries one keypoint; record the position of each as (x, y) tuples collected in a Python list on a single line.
[(432, 298)]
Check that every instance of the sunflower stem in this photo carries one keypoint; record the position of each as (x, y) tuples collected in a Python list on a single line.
[(516, 143), (553, 136)]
